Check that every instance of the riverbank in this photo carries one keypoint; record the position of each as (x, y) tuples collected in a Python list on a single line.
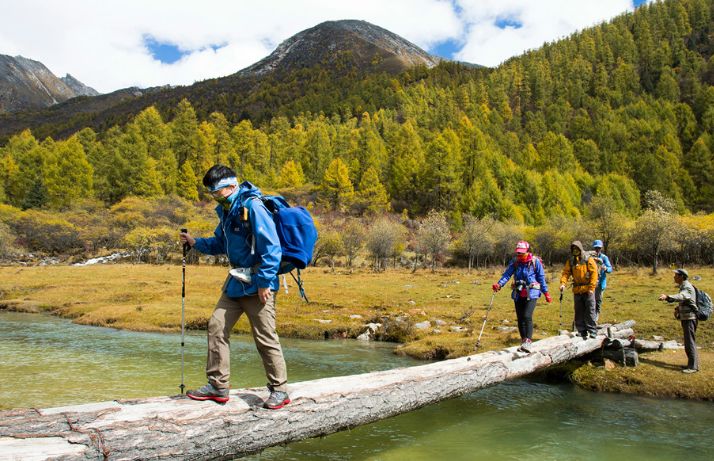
[(659, 374), (432, 315)]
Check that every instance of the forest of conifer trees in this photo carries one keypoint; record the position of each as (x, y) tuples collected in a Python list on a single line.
[(594, 121)]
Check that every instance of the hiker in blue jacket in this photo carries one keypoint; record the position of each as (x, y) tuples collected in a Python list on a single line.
[(604, 268), (528, 284), (246, 235)]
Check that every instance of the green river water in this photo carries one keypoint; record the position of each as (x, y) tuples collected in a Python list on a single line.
[(46, 361)]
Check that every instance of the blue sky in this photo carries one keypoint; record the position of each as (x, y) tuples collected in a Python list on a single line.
[(169, 53), (120, 43)]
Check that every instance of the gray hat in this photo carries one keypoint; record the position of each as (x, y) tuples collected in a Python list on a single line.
[(682, 272)]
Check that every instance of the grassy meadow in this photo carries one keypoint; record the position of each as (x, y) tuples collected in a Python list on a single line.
[(148, 298)]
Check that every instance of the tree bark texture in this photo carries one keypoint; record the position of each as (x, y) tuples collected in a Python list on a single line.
[(170, 428)]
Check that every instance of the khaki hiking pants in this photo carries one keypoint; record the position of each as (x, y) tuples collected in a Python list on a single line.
[(262, 324)]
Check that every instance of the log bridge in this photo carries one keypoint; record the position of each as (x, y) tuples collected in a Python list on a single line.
[(170, 428)]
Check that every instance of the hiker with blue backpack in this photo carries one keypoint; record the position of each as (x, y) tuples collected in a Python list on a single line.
[(247, 234), (686, 313), (528, 284)]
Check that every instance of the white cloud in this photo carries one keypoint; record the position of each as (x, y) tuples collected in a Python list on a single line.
[(101, 42), (542, 21)]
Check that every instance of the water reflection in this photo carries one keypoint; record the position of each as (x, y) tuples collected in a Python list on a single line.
[(45, 361)]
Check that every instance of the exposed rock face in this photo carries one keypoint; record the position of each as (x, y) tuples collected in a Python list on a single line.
[(26, 85), (360, 42), (79, 88)]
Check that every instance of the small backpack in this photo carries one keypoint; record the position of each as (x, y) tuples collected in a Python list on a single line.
[(297, 234), (704, 305)]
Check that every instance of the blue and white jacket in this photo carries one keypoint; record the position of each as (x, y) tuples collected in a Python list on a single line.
[(605, 268), (234, 238), (531, 272)]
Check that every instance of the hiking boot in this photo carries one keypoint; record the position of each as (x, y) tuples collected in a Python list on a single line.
[(592, 335), (526, 346), (690, 370), (208, 392), (277, 400)]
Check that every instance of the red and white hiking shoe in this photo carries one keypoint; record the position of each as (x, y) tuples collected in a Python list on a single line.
[(208, 392), (277, 400)]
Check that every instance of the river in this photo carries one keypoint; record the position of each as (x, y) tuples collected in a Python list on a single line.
[(47, 361)]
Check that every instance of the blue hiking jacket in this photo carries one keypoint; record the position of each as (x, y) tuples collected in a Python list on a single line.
[(605, 268), (234, 238), (532, 272)]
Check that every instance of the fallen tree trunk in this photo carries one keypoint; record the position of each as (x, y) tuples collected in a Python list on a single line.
[(179, 428), (644, 345)]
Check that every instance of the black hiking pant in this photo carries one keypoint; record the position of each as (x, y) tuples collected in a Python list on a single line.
[(690, 346), (585, 313), (524, 312)]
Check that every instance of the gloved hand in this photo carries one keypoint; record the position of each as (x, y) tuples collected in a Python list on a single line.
[(548, 297), (496, 287)]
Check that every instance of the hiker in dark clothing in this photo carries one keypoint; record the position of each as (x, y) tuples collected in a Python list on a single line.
[(686, 312), (528, 284)]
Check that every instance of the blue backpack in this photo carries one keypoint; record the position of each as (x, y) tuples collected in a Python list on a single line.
[(704, 304), (297, 234)]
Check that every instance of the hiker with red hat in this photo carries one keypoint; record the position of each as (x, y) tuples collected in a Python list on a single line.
[(528, 284)]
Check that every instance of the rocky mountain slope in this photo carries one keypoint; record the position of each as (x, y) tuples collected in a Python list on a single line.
[(340, 53), (366, 44), (26, 84)]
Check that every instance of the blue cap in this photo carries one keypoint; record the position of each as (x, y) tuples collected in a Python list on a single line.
[(597, 244)]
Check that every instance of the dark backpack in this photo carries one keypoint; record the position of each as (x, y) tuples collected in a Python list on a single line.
[(704, 305), (297, 234)]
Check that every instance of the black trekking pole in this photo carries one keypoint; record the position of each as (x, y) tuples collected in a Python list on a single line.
[(478, 341), (183, 304), (561, 311)]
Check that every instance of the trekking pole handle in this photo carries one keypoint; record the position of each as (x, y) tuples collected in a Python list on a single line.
[(185, 244)]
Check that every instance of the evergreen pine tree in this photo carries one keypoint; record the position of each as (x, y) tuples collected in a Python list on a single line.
[(26, 154), (184, 132), (407, 163), (186, 185), (291, 175), (68, 176), (372, 196), (337, 189)]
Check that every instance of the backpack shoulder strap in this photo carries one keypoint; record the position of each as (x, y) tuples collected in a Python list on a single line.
[(536, 261)]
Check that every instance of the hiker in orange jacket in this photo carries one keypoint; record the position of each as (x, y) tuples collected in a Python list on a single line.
[(583, 269)]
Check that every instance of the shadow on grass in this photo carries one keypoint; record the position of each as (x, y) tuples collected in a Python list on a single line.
[(660, 364)]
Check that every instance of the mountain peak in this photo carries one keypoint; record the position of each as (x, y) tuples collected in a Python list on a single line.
[(29, 84), (331, 42), (79, 88)]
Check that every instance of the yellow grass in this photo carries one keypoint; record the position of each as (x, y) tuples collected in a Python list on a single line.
[(148, 298), (658, 375)]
